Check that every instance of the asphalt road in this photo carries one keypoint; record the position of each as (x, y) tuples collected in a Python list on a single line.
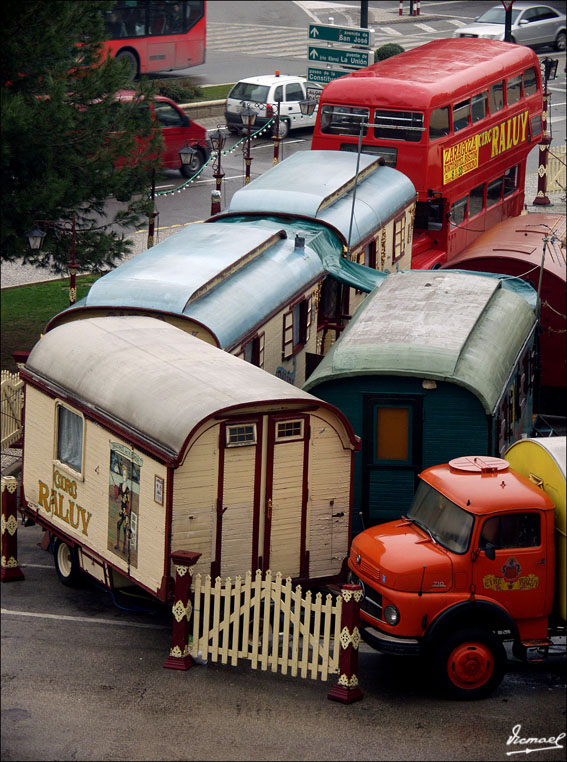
[(84, 680)]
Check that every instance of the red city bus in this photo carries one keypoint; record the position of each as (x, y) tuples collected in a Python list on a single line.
[(157, 35), (459, 118)]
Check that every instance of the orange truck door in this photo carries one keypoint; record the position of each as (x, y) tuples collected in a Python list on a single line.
[(517, 576)]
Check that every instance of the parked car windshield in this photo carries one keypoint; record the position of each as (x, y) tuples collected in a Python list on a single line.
[(496, 16), (443, 520), (247, 91)]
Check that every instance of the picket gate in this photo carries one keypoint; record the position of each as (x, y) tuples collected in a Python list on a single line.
[(268, 622), (556, 168), (12, 401)]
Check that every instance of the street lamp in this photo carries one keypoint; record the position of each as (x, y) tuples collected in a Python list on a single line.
[(35, 240), (250, 115), (218, 139), (276, 135), (307, 107), (186, 155)]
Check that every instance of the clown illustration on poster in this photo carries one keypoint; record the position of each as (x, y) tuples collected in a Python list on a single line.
[(123, 502)]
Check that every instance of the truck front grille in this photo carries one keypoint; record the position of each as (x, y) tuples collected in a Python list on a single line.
[(371, 602)]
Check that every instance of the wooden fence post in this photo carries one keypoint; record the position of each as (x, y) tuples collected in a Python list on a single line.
[(10, 568), (346, 689), (179, 656)]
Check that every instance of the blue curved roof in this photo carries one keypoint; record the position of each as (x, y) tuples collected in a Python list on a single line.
[(321, 185)]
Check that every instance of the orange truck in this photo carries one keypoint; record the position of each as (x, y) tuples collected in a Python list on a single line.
[(478, 560)]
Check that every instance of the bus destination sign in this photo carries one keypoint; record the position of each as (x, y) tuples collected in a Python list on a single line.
[(340, 56), (346, 35), (324, 76)]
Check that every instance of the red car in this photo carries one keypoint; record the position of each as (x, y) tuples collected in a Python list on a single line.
[(178, 130)]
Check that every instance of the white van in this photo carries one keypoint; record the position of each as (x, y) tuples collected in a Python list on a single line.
[(262, 95)]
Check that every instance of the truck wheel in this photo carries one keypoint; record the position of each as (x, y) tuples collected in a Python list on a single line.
[(470, 664), (67, 564)]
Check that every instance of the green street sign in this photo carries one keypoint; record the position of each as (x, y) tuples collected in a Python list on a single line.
[(340, 56), (324, 76), (345, 35)]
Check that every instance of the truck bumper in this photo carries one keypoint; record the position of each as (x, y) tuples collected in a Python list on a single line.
[(388, 644)]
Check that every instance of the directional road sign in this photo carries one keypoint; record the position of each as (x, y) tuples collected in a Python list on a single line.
[(324, 76), (340, 56), (344, 35)]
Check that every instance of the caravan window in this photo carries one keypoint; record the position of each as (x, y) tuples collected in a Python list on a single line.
[(69, 437)]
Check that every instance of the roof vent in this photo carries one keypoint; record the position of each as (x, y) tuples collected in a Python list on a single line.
[(480, 464), (299, 241)]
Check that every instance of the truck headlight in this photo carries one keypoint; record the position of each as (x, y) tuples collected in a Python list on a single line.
[(391, 615)]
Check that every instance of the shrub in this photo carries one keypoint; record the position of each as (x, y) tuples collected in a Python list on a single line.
[(179, 90), (387, 51)]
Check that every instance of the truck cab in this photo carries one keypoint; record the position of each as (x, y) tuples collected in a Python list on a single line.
[(470, 565)]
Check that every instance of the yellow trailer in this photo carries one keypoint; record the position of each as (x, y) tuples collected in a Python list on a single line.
[(543, 462)]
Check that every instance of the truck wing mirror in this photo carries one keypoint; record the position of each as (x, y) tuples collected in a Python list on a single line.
[(490, 551)]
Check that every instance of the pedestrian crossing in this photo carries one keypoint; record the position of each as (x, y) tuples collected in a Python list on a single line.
[(291, 42)]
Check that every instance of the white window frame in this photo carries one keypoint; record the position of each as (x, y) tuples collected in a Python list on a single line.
[(60, 405)]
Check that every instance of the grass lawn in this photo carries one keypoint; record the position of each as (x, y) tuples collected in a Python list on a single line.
[(26, 310)]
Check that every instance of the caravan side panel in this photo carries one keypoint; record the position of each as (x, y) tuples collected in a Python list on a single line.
[(85, 506)]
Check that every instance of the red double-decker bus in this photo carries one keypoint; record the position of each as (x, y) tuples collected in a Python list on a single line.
[(459, 118), (157, 35)]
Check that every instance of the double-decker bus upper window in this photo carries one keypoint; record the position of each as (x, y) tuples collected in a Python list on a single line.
[(343, 120), (461, 115), (476, 201), (496, 96), (459, 211), (510, 181), (479, 106), (494, 192), (398, 125), (439, 123), (530, 82), (514, 89)]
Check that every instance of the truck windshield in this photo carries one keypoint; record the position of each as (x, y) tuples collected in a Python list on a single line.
[(443, 520)]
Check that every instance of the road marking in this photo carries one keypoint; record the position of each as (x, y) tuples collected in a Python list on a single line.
[(83, 619)]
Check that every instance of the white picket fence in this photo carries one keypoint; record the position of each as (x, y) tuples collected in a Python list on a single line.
[(12, 401), (268, 622), (556, 168)]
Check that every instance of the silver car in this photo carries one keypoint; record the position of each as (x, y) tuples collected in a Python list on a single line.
[(532, 24)]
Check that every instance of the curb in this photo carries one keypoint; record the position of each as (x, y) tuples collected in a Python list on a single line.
[(202, 109)]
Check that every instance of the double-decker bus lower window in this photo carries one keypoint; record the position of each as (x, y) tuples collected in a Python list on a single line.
[(461, 115), (388, 153), (476, 200), (398, 125), (494, 192), (511, 181), (479, 106), (530, 82), (535, 125), (459, 211), (497, 96), (343, 120), (439, 123), (514, 89)]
